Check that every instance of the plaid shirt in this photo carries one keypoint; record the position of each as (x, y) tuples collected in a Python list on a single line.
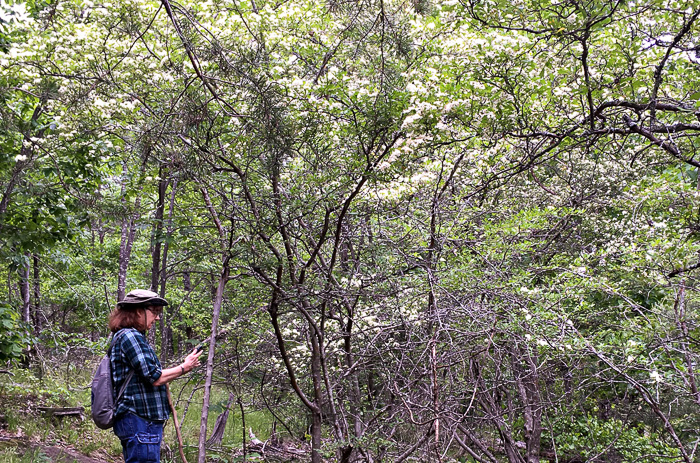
[(131, 351)]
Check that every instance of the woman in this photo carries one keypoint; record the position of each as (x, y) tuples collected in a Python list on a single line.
[(143, 408)]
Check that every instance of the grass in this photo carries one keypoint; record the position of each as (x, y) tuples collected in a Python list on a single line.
[(22, 393), (260, 422), (17, 455)]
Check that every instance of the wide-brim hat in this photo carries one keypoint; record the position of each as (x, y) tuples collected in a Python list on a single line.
[(141, 298)]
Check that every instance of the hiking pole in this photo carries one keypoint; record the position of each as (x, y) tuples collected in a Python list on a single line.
[(177, 425)]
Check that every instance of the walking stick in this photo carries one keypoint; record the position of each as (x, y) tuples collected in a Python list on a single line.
[(177, 425)]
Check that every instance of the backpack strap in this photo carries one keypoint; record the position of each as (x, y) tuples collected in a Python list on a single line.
[(128, 377), (111, 343), (126, 383)]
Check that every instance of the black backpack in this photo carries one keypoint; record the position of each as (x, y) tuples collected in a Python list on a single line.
[(103, 404)]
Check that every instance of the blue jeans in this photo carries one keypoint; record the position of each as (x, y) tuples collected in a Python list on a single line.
[(140, 438)]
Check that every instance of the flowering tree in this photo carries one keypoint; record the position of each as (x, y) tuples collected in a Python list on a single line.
[(456, 228)]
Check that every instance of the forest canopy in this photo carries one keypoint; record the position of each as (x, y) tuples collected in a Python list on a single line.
[(422, 229)]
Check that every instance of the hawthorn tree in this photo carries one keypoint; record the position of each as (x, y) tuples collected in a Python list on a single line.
[(456, 229)]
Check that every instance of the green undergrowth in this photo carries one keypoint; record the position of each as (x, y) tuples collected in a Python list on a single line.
[(23, 392), (20, 455), (232, 441)]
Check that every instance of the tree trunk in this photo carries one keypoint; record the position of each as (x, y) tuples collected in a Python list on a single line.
[(24, 290), (20, 166), (527, 381), (128, 231), (158, 233), (26, 313), (156, 245), (127, 241), (313, 406), (218, 301), (493, 408), (36, 281), (165, 321), (316, 422), (354, 392), (239, 401)]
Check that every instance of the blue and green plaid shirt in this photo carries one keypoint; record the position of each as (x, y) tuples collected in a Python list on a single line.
[(131, 351)]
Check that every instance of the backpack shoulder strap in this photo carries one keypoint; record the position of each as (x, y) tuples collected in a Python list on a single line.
[(111, 342), (126, 382)]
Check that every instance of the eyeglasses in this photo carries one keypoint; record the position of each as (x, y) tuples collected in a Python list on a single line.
[(155, 310)]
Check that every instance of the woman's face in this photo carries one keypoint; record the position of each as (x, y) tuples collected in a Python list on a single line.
[(152, 314)]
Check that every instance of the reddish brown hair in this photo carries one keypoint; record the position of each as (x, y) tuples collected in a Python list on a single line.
[(133, 318)]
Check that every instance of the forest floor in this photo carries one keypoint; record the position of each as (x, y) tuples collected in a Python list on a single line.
[(29, 433), (48, 452)]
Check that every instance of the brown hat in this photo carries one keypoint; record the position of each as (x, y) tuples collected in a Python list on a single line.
[(141, 298)]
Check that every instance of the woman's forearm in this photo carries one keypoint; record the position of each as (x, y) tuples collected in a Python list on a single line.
[(170, 374), (191, 362)]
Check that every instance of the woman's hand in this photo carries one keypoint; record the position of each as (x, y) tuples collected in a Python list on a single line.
[(191, 361)]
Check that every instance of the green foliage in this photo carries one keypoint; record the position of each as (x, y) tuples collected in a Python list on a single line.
[(23, 455), (478, 206), (607, 440), (22, 393), (13, 336)]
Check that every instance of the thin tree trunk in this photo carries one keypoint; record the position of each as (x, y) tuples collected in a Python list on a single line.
[(240, 402), (243, 426), (354, 392), (16, 172), (156, 243), (527, 381), (24, 296), (317, 422), (431, 271), (313, 406), (158, 233), (348, 261), (165, 321), (9, 287), (128, 231), (20, 166), (187, 286), (218, 301), (24, 290), (36, 281), (127, 241), (493, 409)]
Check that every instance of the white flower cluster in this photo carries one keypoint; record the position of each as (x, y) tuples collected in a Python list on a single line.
[(14, 12)]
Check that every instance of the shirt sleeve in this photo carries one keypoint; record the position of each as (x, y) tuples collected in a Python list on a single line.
[(140, 356)]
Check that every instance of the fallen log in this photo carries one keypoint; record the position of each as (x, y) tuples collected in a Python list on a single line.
[(62, 412), (275, 451)]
